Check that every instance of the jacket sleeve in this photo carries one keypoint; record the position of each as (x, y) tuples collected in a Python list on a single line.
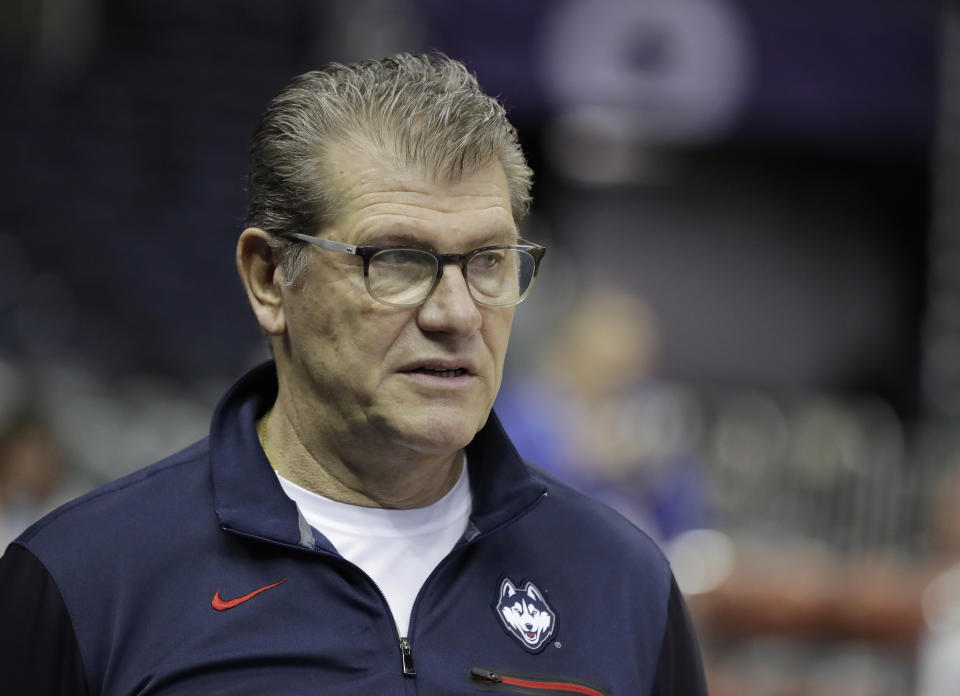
[(679, 667), (39, 654)]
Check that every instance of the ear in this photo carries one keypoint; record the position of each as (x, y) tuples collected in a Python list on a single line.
[(533, 593), (262, 278), (507, 588)]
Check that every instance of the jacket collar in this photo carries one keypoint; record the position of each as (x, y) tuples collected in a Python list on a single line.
[(247, 495), (249, 500), (501, 483)]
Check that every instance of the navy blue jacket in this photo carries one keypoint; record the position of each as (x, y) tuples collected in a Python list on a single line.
[(197, 575)]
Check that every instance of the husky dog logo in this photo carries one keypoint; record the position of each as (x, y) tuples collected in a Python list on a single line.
[(525, 614)]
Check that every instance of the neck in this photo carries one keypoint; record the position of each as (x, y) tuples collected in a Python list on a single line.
[(397, 478)]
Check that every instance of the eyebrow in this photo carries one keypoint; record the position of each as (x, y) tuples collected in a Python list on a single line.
[(402, 238)]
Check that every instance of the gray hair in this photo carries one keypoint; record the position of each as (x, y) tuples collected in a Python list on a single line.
[(419, 111)]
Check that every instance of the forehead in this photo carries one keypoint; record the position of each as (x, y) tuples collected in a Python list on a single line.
[(381, 202)]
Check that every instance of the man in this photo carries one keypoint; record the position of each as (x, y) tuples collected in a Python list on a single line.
[(357, 522)]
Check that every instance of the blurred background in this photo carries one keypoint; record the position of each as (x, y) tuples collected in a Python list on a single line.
[(745, 337)]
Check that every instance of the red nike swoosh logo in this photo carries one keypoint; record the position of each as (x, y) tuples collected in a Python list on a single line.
[(224, 604)]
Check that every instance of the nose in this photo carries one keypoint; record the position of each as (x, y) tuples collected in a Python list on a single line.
[(450, 308)]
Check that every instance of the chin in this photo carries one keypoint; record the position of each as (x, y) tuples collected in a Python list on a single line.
[(440, 432)]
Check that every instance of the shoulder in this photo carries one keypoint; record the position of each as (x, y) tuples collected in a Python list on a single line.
[(589, 526), (39, 652), (146, 494), (596, 516)]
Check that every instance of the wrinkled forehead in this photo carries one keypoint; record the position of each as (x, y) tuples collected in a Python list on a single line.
[(375, 195), (441, 166), (391, 153)]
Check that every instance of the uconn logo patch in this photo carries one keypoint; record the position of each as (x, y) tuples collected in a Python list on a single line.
[(525, 614)]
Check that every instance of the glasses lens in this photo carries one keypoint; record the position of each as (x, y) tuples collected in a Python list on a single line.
[(401, 276), (500, 276)]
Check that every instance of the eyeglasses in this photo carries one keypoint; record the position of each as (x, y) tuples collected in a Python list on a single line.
[(498, 276)]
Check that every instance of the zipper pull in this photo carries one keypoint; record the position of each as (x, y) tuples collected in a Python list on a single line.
[(406, 653), (481, 674)]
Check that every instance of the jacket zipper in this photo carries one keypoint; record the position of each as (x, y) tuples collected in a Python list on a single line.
[(540, 685), (406, 649), (406, 654)]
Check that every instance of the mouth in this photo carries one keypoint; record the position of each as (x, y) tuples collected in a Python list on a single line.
[(447, 374), (441, 368), (442, 375)]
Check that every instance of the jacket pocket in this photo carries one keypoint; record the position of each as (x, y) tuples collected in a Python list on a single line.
[(528, 684)]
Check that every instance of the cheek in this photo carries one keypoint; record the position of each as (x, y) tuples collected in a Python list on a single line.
[(496, 329), (344, 322), (366, 337)]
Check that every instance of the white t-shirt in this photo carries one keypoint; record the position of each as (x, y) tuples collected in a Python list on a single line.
[(398, 549)]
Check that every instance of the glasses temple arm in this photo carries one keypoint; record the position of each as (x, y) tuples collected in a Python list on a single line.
[(327, 244)]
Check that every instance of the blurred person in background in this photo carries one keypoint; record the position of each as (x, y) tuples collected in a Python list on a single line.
[(32, 471), (357, 522), (595, 414)]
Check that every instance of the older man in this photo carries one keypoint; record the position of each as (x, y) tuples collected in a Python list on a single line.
[(357, 522)]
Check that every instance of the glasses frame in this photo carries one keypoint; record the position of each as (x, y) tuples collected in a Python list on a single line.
[(368, 252)]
